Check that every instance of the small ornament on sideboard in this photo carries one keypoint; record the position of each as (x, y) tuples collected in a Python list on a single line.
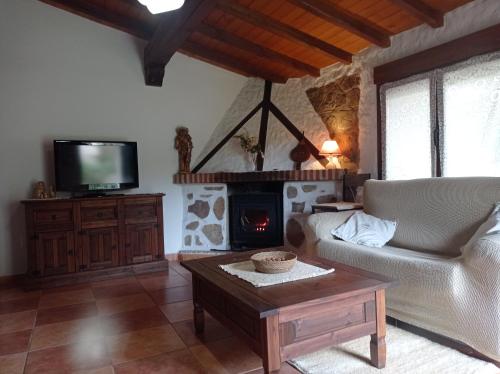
[(184, 145), (300, 153), (39, 191)]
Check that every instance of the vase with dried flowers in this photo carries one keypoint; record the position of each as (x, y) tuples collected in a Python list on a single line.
[(251, 146)]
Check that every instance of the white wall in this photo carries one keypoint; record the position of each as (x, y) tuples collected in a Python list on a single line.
[(62, 76), (292, 100)]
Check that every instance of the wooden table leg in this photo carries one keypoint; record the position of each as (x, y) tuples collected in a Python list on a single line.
[(199, 318), (270, 344), (377, 342)]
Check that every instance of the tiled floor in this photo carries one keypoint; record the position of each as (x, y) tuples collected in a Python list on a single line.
[(140, 324)]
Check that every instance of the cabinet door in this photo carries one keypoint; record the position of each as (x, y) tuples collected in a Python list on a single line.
[(142, 243), (55, 253), (99, 248)]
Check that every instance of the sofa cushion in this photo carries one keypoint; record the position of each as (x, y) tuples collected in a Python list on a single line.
[(437, 214)]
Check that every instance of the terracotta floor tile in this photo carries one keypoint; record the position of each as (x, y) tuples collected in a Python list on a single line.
[(213, 331), (20, 321), (207, 360), (115, 305), (18, 293), (155, 274), (172, 295), (118, 290), (179, 362), (120, 281), (86, 355), (14, 342), (19, 305), (66, 313), (71, 287), (180, 269), (104, 370), (64, 333), (143, 343), (177, 312), (54, 300), (163, 281), (285, 369), (234, 355), (12, 364), (133, 320)]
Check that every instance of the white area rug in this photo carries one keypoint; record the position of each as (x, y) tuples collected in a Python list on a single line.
[(246, 271), (406, 354)]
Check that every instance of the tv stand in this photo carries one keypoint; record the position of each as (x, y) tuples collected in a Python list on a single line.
[(86, 238)]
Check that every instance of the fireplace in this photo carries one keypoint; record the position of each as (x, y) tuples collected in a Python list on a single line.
[(256, 220)]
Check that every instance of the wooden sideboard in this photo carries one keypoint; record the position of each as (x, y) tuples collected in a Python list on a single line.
[(92, 236)]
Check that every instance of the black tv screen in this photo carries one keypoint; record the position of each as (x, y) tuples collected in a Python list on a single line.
[(95, 166)]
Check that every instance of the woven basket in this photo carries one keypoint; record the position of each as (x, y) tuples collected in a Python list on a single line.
[(274, 262)]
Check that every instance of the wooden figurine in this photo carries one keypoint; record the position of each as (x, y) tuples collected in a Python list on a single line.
[(39, 190), (300, 153), (184, 145), (51, 194)]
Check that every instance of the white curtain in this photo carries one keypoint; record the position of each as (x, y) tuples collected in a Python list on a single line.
[(471, 119), (407, 130)]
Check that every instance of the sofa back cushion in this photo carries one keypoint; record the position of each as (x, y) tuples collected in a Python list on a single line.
[(434, 214)]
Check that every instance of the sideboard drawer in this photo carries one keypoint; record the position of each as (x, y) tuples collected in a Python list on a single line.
[(99, 216), (141, 211), (54, 219)]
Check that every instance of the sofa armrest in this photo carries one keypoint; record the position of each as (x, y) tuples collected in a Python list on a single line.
[(320, 225), (484, 254)]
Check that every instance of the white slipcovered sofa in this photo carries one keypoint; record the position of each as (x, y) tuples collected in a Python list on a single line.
[(443, 288)]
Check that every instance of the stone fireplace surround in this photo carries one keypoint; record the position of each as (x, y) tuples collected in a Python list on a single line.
[(205, 204)]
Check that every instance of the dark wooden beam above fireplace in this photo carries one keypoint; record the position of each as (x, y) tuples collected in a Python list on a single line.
[(171, 33), (282, 29), (343, 18), (422, 11)]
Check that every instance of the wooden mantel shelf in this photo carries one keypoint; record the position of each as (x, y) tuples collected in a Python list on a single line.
[(260, 176)]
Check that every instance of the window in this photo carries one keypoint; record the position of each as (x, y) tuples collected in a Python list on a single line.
[(443, 123)]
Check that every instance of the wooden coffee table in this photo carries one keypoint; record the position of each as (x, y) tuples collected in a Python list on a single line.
[(285, 321)]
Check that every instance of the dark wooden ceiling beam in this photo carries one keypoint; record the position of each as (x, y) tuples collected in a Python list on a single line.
[(230, 62), (97, 13), (279, 28), (422, 11), (172, 31), (256, 49), (345, 19)]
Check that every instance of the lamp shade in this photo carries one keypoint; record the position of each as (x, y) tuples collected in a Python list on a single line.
[(330, 148), (161, 6)]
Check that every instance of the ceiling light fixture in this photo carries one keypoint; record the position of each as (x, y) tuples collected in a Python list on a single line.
[(161, 6)]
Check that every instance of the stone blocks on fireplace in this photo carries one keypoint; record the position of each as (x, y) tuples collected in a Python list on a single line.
[(205, 217)]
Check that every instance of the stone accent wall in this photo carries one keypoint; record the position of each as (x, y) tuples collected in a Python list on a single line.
[(297, 200), (205, 217)]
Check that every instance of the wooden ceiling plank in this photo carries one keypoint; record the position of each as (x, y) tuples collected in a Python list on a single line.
[(257, 49), (172, 31), (139, 29), (345, 19), (422, 11), (276, 27), (231, 62)]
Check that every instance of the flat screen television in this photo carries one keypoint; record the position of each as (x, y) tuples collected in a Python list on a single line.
[(95, 166)]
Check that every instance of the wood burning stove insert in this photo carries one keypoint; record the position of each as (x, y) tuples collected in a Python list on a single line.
[(256, 219)]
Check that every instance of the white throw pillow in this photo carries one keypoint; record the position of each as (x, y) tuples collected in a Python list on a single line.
[(489, 227), (364, 229)]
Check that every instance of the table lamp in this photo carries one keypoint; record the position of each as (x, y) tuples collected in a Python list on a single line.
[(331, 150)]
